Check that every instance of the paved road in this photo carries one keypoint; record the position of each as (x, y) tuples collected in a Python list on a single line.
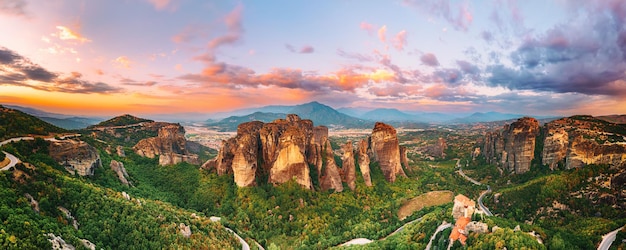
[(441, 227), (13, 160), (482, 194), (244, 244), (608, 239)]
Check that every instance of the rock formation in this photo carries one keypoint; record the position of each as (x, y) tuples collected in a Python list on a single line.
[(348, 168), (289, 149), (573, 143), (120, 151), (76, 156), (119, 169), (513, 147), (404, 158), (364, 161), (330, 178), (438, 150), (58, 243), (386, 150), (33, 203), (184, 230), (68, 216), (169, 146)]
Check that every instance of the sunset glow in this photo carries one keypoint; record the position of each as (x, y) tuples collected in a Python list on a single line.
[(168, 56)]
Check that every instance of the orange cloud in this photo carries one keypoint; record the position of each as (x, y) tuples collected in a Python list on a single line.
[(234, 26), (399, 41), (66, 33), (123, 61), (381, 33)]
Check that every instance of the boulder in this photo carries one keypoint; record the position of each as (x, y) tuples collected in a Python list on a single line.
[(184, 230)]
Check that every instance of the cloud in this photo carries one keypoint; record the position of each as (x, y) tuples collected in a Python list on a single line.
[(368, 27), (66, 33), (19, 71), (306, 49), (355, 56), (131, 82), (123, 61), (13, 7), (162, 4), (459, 15), (382, 33), (429, 59), (191, 32), (233, 26), (586, 55), (467, 67), (399, 41)]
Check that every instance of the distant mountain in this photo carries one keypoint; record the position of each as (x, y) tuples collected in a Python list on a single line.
[(231, 123), (619, 119), (15, 123), (387, 115), (59, 120), (122, 120), (71, 122), (354, 112), (319, 113), (279, 109), (486, 117)]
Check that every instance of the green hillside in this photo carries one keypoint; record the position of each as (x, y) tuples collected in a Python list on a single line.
[(14, 123), (122, 120)]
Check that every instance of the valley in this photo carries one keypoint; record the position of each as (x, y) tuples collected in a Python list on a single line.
[(385, 200)]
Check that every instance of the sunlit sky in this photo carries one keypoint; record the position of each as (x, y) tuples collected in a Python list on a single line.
[(102, 57)]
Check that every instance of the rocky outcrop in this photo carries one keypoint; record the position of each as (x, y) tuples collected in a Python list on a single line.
[(184, 230), (289, 149), (404, 158), (120, 151), (33, 203), (364, 161), (68, 216), (386, 151), (573, 143), (119, 169), (76, 156), (169, 146), (87, 244), (478, 227), (245, 155), (330, 178), (513, 147), (348, 168), (58, 243), (438, 150)]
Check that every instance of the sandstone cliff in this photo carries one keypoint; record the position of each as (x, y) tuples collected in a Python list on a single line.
[(513, 147), (386, 150), (289, 149), (348, 168), (364, 161), (574, 142), (169, 145), (76, 156)]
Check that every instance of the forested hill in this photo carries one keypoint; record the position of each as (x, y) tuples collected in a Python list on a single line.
[(14, 123), (122, 120)]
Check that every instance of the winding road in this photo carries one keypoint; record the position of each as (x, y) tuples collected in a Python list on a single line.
[(482, 194), (608, 239), (440, 228), (12, 161)]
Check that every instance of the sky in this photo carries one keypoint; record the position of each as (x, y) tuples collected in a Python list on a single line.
[(103, 57)]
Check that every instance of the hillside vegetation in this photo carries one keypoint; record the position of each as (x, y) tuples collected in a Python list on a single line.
[(14, 123)]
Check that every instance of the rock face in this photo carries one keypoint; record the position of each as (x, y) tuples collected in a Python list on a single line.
[(119, 169), (76, 156), (573, 143), (364, 161), (330, 178), (404, 158), (348, 168), (293, 149), (58, 243), (513, 147), (386, 150), (169, 146), (120, 151)]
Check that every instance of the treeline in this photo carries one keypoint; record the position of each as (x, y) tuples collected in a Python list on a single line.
[(15, 123)]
